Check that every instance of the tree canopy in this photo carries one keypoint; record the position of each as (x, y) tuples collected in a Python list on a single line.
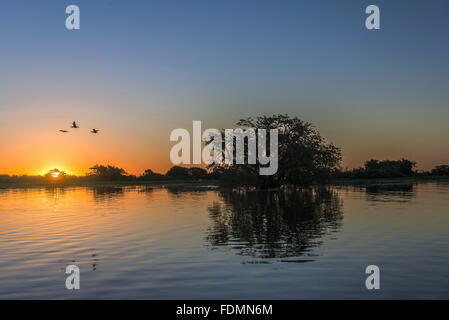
[(107, 173), (304, 157), (441, 170), (382, 169)]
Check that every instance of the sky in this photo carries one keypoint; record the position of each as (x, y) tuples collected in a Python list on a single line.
[(136, 70)]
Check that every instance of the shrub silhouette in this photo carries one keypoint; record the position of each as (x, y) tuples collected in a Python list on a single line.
[(151, 175), (193, 173), (178, 172), (441, 170), (382, 169), (107, 173)]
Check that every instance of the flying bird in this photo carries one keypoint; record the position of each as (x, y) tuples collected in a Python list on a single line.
[(63, 131), (95, 131), (74, 125)]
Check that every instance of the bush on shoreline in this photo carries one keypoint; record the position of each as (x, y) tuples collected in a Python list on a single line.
[(381, 169)]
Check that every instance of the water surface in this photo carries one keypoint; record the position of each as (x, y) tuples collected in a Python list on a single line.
[(207, 243)]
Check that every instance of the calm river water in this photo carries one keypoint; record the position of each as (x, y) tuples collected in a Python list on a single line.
[(206, 243)]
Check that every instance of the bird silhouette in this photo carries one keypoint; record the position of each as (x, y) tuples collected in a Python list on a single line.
[(74, 125), (63, 131), (95, 131)]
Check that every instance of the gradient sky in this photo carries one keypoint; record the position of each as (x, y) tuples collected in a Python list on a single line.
[(139, 69)]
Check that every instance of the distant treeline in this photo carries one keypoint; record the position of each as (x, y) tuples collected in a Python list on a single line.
[(109, 173), (390, 169)]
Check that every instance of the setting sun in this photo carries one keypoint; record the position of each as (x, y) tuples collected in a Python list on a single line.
[(55, 174)]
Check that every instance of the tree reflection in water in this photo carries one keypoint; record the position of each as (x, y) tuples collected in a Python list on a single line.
[(390, 193), (274, 224)]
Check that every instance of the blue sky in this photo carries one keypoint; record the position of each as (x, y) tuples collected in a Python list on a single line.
[(144, 68)]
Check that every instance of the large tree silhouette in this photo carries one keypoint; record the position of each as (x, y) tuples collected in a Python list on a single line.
[(304, 157)]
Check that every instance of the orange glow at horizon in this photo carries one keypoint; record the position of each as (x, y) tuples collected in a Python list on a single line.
[(34, 148), (76, 154), (29, 149)]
